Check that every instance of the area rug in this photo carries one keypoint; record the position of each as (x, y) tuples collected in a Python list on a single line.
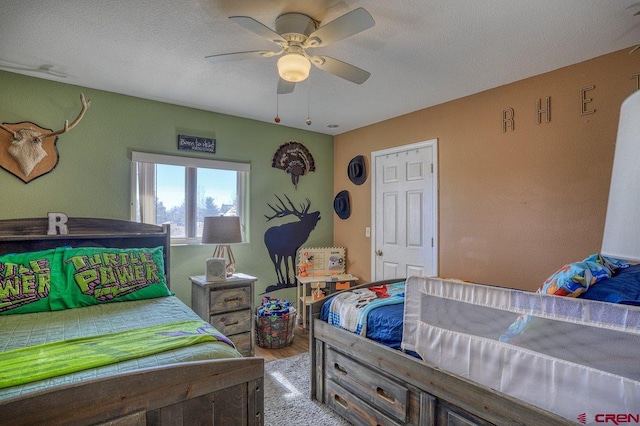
[(286, 395)]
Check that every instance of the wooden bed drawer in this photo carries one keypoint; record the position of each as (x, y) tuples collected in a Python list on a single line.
[(454, 419), (369, 385), (230, 323), (353, 409), (230, 300), (242, 342), (451, 415)]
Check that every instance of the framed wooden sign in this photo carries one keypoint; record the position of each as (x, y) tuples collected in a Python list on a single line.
[(194, 143)]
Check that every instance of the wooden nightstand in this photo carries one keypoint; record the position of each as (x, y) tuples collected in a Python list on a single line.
[(228, 306)]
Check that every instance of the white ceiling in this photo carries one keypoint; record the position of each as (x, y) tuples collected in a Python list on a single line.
[(420, 52)]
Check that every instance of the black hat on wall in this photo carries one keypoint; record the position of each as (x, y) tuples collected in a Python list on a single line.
[(341, 205), (357, 170)]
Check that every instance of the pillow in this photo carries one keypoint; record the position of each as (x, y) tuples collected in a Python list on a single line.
[(100, 275), (572, 280), (575, 278), (25, 281), (613, 264)]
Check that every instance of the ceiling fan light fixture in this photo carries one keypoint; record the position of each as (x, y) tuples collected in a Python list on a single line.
[(294, 67)]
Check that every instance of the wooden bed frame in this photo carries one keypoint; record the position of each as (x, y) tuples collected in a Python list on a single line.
[(369, 383), (217, 392)]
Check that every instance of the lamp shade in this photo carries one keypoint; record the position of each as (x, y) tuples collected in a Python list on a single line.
[(621, 230), (221, 230), (293, 67)]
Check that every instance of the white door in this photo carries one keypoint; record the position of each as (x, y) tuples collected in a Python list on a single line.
[(404, 196)]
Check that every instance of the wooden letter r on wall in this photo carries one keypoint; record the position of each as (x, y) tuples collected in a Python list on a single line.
[(507, 120), (57, 224)]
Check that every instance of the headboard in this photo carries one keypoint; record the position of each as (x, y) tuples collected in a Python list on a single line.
[(24, 235)]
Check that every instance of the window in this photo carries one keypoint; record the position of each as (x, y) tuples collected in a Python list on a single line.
[(183, 190)]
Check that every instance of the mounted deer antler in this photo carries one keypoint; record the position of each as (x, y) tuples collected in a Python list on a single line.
[(15, 135), (85, 105), (282, 211), (26, 144)]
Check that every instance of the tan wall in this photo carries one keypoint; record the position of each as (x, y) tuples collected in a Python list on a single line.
[(514, 206)]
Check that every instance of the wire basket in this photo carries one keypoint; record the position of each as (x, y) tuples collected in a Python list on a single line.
[(275, 332)]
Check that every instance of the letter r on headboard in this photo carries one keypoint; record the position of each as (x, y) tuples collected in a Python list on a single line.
[(57, 224)]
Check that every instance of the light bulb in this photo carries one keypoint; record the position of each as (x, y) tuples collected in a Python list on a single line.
[(293, 67)]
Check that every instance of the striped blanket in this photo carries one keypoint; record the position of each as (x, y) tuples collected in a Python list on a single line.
[(349, 309)]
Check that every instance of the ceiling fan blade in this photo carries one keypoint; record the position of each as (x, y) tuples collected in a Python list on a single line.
[(258, 28), (345, 26), (341, 69), (285, 86), (227, 57)]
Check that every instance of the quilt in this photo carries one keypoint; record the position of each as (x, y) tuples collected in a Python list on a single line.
[(349, 310)]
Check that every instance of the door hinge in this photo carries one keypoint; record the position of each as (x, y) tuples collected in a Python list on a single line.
[(431, 168), (431, 241)]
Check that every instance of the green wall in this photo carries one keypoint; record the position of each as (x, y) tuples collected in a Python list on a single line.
[(92, 178)]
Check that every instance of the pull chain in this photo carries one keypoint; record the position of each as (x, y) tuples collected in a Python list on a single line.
[(308, 121), (277, 119)]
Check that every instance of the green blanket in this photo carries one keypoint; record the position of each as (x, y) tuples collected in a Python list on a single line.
[(30, 364)]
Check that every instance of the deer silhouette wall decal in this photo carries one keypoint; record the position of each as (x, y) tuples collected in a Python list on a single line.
[(283, 241)]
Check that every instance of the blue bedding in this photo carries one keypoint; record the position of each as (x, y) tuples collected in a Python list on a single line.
[(623, 287), (384, 323)]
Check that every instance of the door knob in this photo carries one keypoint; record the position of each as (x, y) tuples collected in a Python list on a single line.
[(378, 252)]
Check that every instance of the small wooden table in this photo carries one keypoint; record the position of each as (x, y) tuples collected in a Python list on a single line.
[(329, 283)]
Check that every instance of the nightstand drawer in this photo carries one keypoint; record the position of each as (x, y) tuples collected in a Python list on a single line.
[(230, 299), (243, 343), (230, 323)]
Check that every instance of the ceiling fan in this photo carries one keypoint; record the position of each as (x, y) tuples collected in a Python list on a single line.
[(295, 33)]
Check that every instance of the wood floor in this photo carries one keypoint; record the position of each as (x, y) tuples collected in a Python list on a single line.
[(299, 345)]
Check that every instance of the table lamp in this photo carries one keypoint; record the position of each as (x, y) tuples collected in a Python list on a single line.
[(221, 230), (621, 237)]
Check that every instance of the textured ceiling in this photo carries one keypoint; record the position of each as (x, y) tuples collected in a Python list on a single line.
[(420, 52)]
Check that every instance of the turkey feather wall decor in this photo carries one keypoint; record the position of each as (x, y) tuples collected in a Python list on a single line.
[(295, 159)]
